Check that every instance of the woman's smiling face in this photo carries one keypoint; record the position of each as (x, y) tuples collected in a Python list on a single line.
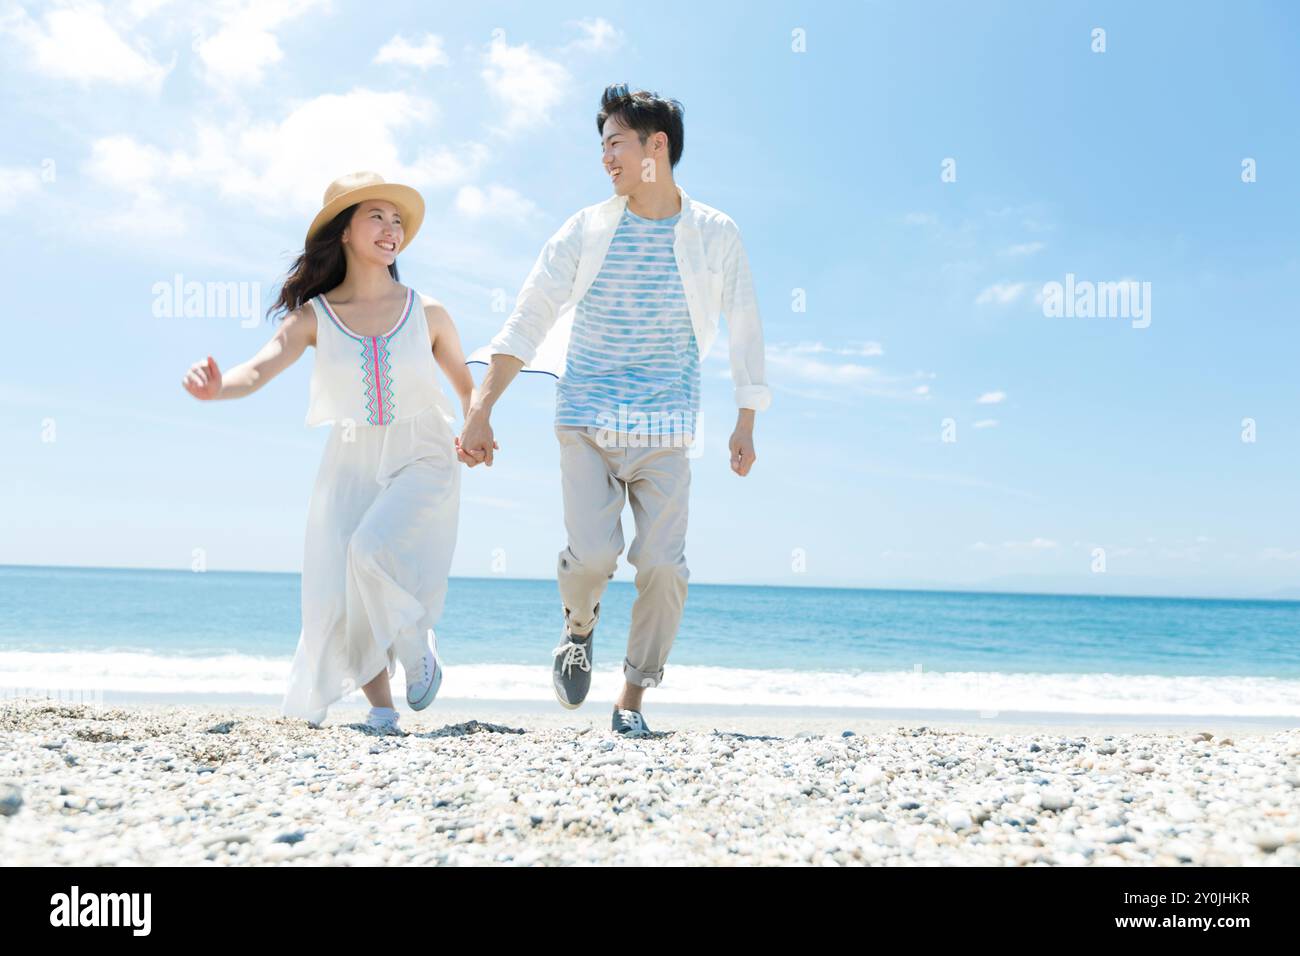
[(375, 232)]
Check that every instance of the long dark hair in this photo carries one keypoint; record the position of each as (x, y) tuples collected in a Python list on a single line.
[(321, 267)]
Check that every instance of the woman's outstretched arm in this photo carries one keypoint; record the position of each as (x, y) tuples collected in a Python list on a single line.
[(206, 382)]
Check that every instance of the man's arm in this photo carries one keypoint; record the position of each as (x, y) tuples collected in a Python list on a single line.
[(476, 443), (745, 340), (548, 286)]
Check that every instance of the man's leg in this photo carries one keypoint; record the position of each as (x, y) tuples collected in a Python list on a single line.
[(593, 505), (658, 485)]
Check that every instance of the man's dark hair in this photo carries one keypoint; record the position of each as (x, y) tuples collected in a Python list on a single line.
[(645, 112)]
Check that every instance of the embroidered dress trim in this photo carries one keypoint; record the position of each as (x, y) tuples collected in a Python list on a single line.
[(376, 364), (377, 380)]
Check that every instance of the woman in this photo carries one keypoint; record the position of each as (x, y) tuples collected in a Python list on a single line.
[(381, 526)]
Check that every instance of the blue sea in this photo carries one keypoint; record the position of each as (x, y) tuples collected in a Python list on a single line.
[(216, 633)]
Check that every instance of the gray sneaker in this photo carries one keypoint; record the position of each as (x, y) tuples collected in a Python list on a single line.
[(630, 723), (571, 669)]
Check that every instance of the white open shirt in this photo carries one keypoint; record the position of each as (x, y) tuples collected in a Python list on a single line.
[(715, 275)]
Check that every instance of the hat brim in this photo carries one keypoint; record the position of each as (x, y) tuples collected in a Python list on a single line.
[(408, 202)]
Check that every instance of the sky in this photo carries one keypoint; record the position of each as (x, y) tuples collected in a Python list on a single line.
[(908, 179)]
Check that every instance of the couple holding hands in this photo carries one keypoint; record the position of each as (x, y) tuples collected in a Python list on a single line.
[(621, 306)]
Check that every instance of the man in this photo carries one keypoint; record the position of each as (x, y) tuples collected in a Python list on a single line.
[(621, 306)]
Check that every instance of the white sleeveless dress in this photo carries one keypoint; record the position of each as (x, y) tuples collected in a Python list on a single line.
[(382, 522)]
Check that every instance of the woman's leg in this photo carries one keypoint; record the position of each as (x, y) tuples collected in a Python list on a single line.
[(397, 563), (379, 691)]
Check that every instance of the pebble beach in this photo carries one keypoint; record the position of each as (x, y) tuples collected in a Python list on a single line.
[(197, 785)]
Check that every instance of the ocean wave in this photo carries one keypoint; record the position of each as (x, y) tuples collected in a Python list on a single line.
[(63, 673)]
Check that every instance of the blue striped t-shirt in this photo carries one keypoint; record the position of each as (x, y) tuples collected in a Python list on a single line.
[(633, 364)]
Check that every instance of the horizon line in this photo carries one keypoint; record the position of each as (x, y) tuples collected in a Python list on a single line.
[(730, 584)]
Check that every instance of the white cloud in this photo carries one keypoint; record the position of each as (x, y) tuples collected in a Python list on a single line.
[(1024, 249), (986, 423), (920, 219), (922, 390), (598, 36), (280, 163), (16, 184), (79, 43), (1037, 544), (143, 172), (1279, 554), (494, 202), (797, 366), (1001, 293), (422, 55), (862, 349), (144, 8), (818, 364), (244, 43), (122, 162), (992, 398), (1033, 216), (270, 159), (526, 83), (238, 54)]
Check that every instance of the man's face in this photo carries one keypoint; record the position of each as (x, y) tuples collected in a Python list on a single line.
[(622, 155)]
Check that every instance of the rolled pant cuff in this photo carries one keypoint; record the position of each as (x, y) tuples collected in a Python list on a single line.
[(641, 678)]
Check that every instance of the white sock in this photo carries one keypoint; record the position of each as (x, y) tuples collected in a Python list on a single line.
[(383, 711)]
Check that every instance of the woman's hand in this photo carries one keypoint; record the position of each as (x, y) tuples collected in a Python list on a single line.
[(472, 447), (203, 380), (469, 459)]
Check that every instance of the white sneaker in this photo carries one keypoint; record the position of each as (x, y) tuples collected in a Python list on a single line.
[(383, 721), (424, 679)]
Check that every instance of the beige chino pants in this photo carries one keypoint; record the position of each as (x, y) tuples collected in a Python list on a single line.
[(597, 469)]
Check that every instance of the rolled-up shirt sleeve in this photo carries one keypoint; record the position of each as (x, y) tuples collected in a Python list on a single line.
[(547, 287), (744, 328)]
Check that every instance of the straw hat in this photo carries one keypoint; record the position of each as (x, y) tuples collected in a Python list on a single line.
[(356, 187)]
